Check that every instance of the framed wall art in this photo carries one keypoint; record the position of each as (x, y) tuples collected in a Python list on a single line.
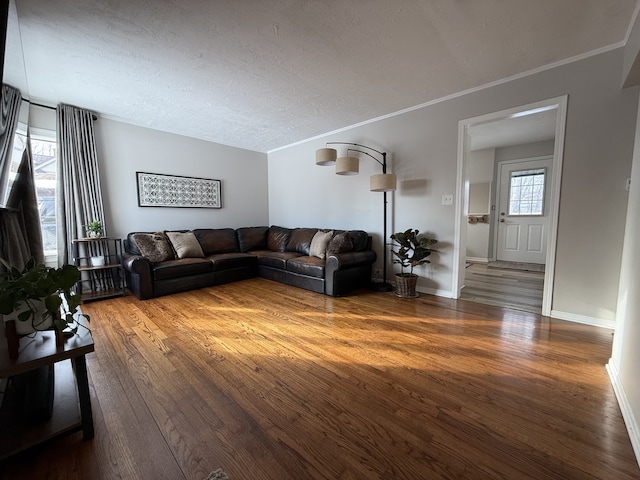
[(159, 190)]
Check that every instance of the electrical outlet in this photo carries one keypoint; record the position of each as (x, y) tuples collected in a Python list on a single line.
[(447, 199)]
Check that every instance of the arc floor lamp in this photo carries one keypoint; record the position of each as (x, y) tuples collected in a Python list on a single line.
[(384, 182)]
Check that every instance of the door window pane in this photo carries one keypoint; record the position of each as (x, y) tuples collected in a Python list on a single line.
[(526, 192)]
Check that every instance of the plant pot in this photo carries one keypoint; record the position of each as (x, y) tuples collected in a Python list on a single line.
[(27, 327), (94, 235), (97, 261), (406, 285)]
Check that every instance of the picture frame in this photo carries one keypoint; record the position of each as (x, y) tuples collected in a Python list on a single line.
[(161, 190)]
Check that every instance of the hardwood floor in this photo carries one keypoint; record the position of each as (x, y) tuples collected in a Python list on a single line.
[(268, 381), (521, 290)]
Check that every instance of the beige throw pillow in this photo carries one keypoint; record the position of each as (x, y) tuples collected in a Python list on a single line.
[(185, 244), (319, 243)]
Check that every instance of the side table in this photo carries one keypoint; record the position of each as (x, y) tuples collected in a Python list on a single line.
[(71, 407)]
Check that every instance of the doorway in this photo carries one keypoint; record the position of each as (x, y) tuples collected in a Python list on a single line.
[(510, 126)]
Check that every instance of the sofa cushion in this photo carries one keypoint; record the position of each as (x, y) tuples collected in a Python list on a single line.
[(360, 240), (310, 266), (277, 238), (185, 244), (341, 243), (185, 267), (252, 238), (300, 240), (217, 240), (154, 246), (319, 243), (224, 261), (276, 259)]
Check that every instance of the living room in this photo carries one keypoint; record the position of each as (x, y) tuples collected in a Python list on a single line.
[(593, 283)]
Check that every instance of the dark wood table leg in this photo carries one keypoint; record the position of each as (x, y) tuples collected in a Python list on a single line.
[(86, 414)]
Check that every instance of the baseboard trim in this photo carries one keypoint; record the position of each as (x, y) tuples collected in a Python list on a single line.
[(573, 317), (625, 407), (435, 291)]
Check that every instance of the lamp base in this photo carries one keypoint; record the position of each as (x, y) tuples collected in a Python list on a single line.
[(380, 287)]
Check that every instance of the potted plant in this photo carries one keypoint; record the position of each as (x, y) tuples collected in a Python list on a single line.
[(40, 297), (411, 252), (95, 229)]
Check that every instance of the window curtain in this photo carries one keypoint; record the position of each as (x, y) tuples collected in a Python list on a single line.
[(79, 196), (20, 233)]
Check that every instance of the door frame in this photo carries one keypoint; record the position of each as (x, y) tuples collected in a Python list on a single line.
[(460, 246)]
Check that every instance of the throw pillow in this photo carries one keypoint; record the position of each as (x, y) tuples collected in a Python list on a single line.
[(185, 244), (154, 246), (319, 243), (341, 243)]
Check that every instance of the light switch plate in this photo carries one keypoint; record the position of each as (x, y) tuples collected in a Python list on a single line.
[(447, 199)]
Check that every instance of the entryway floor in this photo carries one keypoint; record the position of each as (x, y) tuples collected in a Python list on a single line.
[(518, 289)]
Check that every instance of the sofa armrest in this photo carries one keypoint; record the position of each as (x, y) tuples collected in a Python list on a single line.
[(342, 261), (139, 275), (347, 271)]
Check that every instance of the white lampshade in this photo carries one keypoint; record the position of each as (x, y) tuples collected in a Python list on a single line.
[(326, 156), (347, 166), (383, 182)]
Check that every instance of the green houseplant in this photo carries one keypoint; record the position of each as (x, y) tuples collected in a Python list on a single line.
[(411, 251), (95, 229), (41, 295)]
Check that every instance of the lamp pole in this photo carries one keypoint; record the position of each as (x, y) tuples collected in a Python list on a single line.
[(377, 286)]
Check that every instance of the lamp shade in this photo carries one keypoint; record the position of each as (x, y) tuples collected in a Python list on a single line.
[(347, 166), (326, 156), (383, 182)]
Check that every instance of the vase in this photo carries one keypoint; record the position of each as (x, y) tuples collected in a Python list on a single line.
[(97, 261), (28, 327), (406, 285)]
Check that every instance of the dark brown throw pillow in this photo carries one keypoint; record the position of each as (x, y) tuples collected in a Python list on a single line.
[(154, 246), (341, 243)]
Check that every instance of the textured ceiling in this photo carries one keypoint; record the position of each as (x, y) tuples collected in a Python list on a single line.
[(262, 74)]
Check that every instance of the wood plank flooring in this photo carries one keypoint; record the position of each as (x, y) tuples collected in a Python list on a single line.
[(521, 290), (268, 381)]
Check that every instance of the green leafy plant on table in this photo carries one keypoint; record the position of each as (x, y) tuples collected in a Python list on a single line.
[(23, 291)]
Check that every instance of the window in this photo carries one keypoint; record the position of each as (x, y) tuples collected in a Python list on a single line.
[(526, 192), (44, 152)]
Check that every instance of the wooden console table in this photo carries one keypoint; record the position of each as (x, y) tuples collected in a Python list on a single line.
[(41, 351)]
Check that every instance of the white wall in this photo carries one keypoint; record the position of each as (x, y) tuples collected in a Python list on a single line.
[(124, 149), (480, 170), (625, 357), (422, 144)]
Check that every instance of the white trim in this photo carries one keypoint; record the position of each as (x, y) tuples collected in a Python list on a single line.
[(477, 260), (584, 319), (435, 291), (554, 214), (560, 104), (459, 94), (625, 407)]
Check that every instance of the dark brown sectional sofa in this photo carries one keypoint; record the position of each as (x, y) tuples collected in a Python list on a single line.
[(224, 255)]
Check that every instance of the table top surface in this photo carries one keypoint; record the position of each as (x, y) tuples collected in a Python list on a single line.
[(40, 349)]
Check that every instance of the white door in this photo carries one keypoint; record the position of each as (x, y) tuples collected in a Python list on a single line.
[(523, 210)]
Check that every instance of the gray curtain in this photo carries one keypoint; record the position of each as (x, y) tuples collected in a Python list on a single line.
[(20, 233), (79, 197)]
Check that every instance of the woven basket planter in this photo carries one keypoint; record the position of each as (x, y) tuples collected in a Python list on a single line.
[(406, 285)]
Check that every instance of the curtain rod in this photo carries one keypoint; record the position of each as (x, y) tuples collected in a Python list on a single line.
[(93, 115)]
